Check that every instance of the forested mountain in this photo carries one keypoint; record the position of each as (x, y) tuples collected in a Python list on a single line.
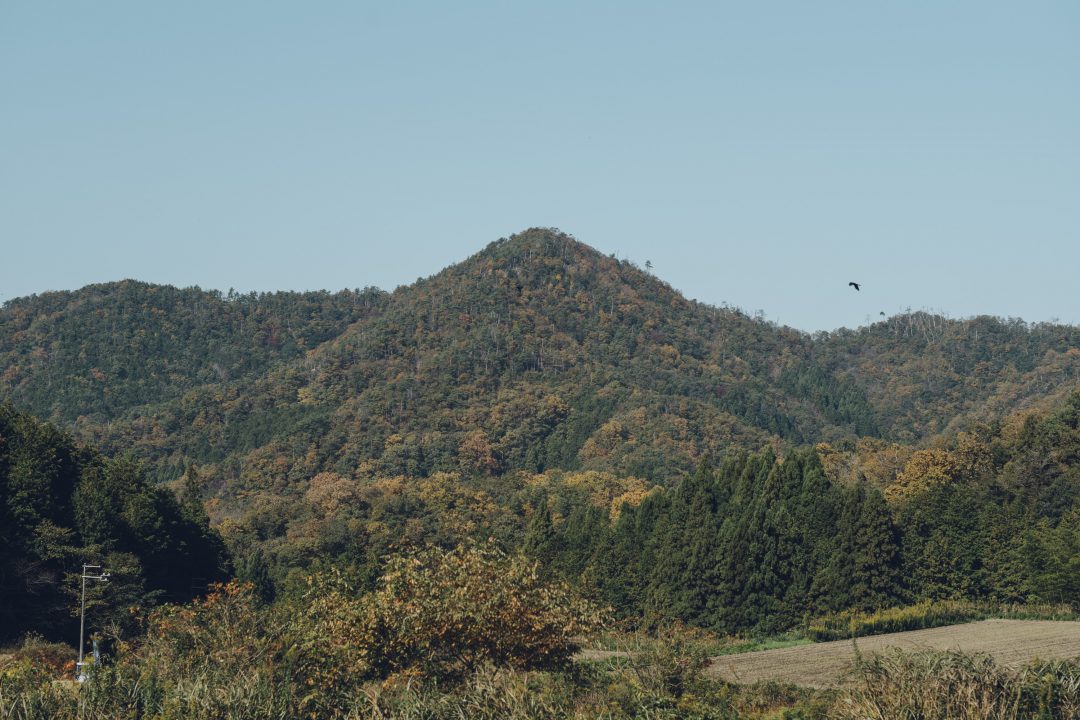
[(924, 374), (671, 458), (537, 353), (89, 356)]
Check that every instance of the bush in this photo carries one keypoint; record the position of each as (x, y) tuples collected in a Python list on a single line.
[(28, 692), (487, 694), (932, 685), (435, 615), (53, 658), (442, 614), (228, 629), (473, 616), (1053, 688), (671, 662)]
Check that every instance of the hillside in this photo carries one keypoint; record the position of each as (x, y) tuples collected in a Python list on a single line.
[(91, 355), (536, 353), (924, 374)]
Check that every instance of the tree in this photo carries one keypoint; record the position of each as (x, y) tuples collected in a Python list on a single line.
[(864, 570), (443, 613), (476, 454), (541, 541), (255, 571)]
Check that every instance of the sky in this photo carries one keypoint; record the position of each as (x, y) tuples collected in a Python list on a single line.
[(758, 154)]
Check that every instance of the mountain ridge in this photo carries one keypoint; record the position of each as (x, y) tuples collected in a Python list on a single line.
[(536, 352)]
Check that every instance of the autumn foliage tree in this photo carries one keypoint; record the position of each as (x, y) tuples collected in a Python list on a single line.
[(476, 454), (441, 613)]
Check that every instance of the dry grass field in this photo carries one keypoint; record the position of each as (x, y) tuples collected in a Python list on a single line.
[(1011, 642)]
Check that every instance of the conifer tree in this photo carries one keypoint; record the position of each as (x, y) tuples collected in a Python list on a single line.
[(876, 573), (584, 531), (541, 542), (255, 570)]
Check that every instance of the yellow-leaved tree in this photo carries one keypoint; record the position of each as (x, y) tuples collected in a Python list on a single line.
[(442, 613)]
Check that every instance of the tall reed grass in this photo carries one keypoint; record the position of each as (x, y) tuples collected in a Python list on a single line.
[(949, 685)]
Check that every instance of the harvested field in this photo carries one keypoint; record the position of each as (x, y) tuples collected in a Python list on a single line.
[(1012, 643)]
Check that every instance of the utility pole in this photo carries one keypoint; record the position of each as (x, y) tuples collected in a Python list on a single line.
[(87, 574)]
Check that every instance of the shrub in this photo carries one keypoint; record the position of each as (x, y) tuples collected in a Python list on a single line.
[(28, 692), (328, 653), (487, 694), (1053, 689), (54, 658), (442, 614), (436, 616), (473, 616), (671, 662), (932, 685), (227, 629)]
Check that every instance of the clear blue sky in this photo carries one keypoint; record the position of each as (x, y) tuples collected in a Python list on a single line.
[(758, 153)]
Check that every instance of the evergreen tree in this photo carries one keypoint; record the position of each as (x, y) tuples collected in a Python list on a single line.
[(255, 570), (542, 542), (584, 531), (876, 579), (65, 506), (864, 569), (191, 499)]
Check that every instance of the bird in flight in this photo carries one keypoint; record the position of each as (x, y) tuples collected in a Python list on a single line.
[(854, 285)]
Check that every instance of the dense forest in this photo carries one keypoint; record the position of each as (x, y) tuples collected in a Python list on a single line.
[(758, 544), (62, 505), (668, 458)]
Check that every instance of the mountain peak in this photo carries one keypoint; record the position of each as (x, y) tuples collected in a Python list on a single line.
[(539, 243), (540, 257)]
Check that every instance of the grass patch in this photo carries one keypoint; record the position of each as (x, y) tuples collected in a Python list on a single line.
[(695, 639), (784, 641)]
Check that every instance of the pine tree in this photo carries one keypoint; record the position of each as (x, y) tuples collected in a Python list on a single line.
[(255, 570), (876, 572), (542, 542), (863, 570), (191, 501), (583, 532)]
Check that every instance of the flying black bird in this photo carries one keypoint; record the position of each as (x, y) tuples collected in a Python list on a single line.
[(854, 285)]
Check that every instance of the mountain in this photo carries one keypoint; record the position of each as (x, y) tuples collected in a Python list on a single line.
[(557, 401), (536, 353), (925, 374)]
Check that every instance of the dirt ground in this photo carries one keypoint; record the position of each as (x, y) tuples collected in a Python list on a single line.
[(1011, 642)]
